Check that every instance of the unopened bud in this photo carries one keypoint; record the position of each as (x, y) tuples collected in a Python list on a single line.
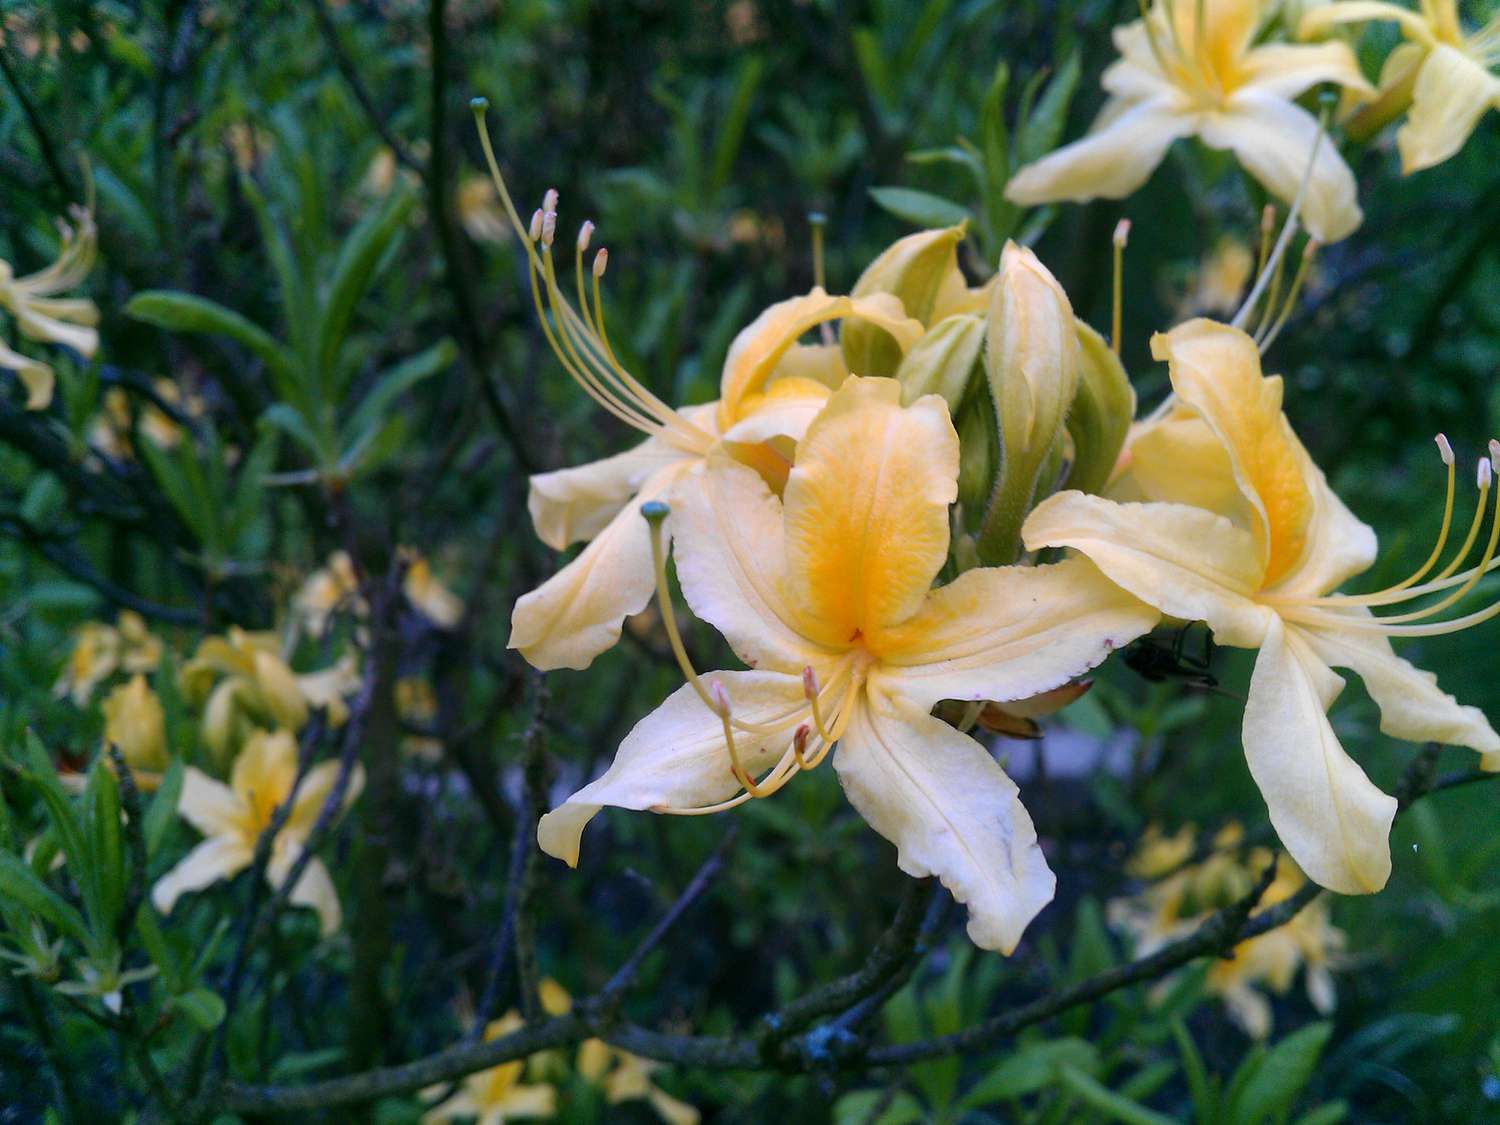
[(1100, 417), (280, 691), (945, 361), (921, 270)]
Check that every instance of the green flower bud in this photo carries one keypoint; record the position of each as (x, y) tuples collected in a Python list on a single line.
[(943, 362), (922, 271), (1101, 415)]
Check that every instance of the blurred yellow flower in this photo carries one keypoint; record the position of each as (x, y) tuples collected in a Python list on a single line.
[(232, 818), (828, 598), (496, 1095), (1194, 69), (1221, 516), (429, 596), (1441, 73), (332, 589), (109, 432), (479, 210), (135, 722), (42, 315), (1220, 281), (99, 651)]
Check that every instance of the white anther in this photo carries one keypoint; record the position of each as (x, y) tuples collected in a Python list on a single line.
[(585, 233), (535, 230), (1122, 233), (601, 261), (809, 682), (1486, 472), (1495, 455), (1268, 218), (1445, 451), (549, 227), (549, 201), (720, 696)]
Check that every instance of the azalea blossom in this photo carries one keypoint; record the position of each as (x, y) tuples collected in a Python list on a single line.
[(1221, 516), (135, 722), (232, 818), (428, 595), (770, 389), (827, 597), (42, 315), (496, 1095), (1180, 896), (333, 588), (100, 650), (1177, 77), (1443, 74)]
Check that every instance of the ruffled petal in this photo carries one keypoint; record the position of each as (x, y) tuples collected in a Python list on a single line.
[(1186, 562), (676, 757), (1412, 706), (578, 612), (1110, 162), (1008, 633), (951, 811), (867, 510), (1332, 819), (1451, 94), (1273, 138), (576, 504)]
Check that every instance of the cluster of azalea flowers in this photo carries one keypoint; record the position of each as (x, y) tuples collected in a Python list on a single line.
[(251, 707), (945, 515)]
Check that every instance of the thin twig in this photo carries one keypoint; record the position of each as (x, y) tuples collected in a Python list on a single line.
[(360, 91)]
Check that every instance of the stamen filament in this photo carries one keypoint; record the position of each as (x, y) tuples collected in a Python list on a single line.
[(1309, 252), (721, 705), (1122, 234)]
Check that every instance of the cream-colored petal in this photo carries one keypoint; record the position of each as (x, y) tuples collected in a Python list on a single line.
[(1110, 162), (676, 757), (783, 412), (314, 791), (210, 806), (1331, 818), (1186, 562), (32, 322), (1337, 545), (1180, 460), (528, 1102), (1288, 70), (578, 612), (950, 810), (1273, 138), (35, 376), (1249, 1009), (460, 1106), (1452, 92), (731, 562), (576, 504), (1412, 706), (314, 888), (1004, 633), (673, 1111), (1320, 19), (263, 772), (866, 510), (218, 857), (820, 363)]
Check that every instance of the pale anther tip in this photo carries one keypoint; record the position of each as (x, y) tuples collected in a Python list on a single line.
[(549, 227), (535, 230), (601, 261), (655, 510), (809, 681), (1122, 232), (720, 696), (479, 104), (1486, 473), (1445, 451), (549, 201), (585, 233)]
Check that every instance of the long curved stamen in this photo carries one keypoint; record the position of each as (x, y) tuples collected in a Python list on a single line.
[(1268, 336), (655, 513), (1117, 302), (799, 745), (810, 690), (817, 221), (782, 772), (722, 706)]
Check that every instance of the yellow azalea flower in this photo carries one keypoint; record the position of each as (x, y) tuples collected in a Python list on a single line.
[(430, 597), (479, 210), (1177, 77), (99, 651), (42, 315), (770, 389), (232, 818), (1157, 854), (1175, 905), (1220, 281), (333, 589), (827, 597), (496, 1095), (1222, 517), (1443, 74), (135, 722), (109, 433)]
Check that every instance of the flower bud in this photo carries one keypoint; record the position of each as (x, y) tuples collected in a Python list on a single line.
[(943, 362), (921, 270), (1032, 360), (224, 721), (279, 691), (134, 722), (1101, 415)]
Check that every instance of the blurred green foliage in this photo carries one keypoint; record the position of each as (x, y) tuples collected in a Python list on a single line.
[(371, 360)]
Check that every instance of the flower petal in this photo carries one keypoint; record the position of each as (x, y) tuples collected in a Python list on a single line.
[(1186, 562), (35, 376), (314, 791), (1004, 633), (866, 509), (1110, 162), (209, 806), (1452, 92), (1412, 706), (1335, 823), (950, 810), (676, 756), (731, 561), (1288, 70), (314, 888), (218, 857), (1273, 138), (576, 504), (577, 613)]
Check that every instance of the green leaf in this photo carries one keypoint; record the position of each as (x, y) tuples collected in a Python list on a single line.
[(163, 805), (1031, 1068), (59, 809), (859, 1108), (1043, 126), (1115, 1107), (1329, 1113), (731, 134), (1204, 1102), (203, 1007), (357, 265), (106, 850), (290, 421), (393, 383), (1272, 1087), (919, 207), (19, 884), (185, 312)]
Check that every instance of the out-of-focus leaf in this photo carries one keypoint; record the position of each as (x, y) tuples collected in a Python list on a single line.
[(203, 1007), (1273, 1085), (185, 312), (19, 884), (1043, 126), (1115, 1107), (1031, 1068), (920, 207)]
